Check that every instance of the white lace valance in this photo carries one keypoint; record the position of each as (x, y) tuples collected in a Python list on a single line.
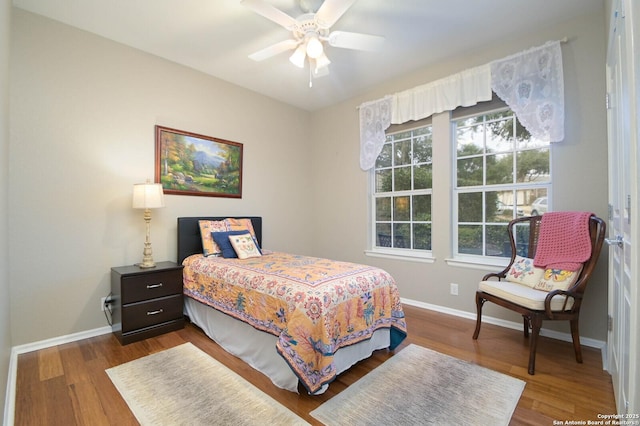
[(530, 82), (375, 118)]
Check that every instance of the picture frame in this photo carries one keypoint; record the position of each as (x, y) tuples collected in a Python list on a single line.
[(187, 163)]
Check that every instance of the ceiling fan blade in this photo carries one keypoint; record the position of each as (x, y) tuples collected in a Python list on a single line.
[(357, 41), (274, 49), (268, 11), (331, 11)]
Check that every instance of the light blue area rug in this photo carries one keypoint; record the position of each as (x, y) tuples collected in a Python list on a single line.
[(185, 386), (418, 386)]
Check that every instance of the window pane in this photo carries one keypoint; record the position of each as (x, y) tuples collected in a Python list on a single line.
[(521, 233), (470, 207), (470, 172), (422, 208), (383, 234), (422, 177), (402, 179), (401, 136), (422, 236), (384, 159), (499, 169), (401, 208), (383, 180), (497, 241), (470, 140), (403, 153), (500, 135), (502, 206), (402, 235), (540, 204), (383, 208), (533, 165), (470, 239), (422, 151)]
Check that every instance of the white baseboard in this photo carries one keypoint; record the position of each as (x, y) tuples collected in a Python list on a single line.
[(10, 398), (592, 343)]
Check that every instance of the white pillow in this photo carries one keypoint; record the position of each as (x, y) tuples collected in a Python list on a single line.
[(245, 246), (523, 272)]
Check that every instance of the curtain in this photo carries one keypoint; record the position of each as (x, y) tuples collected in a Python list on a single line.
[(463, 89), (530, 82), (375, 118)]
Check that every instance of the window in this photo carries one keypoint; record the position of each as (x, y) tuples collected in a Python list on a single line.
[(401, 196), (500, 172)]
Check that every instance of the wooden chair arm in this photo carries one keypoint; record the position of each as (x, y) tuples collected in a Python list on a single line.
[(552, 294), (499, 275)]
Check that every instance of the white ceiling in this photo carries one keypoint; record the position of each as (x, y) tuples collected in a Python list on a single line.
[(216, 36)]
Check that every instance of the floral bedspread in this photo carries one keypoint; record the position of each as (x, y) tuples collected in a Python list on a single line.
[(315, 306)]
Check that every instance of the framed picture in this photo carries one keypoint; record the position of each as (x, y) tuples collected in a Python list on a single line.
[(191, 164)]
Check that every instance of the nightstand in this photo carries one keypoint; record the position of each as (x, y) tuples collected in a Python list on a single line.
[(146, 302)]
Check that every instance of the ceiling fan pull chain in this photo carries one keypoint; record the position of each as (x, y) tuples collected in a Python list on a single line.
[(310, 77)]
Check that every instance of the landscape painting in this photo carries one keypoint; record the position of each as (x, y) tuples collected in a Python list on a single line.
[(191, 164)]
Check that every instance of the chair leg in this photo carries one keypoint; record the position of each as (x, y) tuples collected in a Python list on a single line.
[(536, 324), (527, 324), (479, 302), (575, 335)]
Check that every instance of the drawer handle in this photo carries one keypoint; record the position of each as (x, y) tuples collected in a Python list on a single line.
[(159, 311), (154, 285)]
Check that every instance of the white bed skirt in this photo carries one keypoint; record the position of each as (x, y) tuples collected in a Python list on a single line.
[(258, 348)]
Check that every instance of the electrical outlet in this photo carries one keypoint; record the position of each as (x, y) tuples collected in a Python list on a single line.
[(454, 289), (102, 303)]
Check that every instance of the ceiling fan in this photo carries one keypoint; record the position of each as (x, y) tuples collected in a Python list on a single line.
[(310, 32)]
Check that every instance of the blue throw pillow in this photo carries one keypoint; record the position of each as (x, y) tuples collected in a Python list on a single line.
[(222, 240)]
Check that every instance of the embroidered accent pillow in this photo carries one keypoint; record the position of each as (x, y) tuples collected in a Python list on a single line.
[(245, 246), (222, 240), (523, 272), (209, 246), (557, 279)]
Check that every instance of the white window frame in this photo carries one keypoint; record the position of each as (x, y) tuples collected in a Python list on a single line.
[(419, 255), (462, 259)]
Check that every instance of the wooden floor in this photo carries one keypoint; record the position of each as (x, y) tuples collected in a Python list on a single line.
[(67, 384)]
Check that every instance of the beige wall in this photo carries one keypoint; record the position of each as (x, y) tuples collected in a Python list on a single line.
[(578, 164), (5, 324), (83, 111), (82, 133)]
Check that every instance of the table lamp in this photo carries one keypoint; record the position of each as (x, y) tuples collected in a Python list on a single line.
[(147, 196)]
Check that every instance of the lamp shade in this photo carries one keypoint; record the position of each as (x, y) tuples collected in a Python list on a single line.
[(298, 56), (321, 62), (148, 196)]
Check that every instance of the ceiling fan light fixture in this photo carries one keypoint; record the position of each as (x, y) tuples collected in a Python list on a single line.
[(314, 47), (299, 56), (322, 61)]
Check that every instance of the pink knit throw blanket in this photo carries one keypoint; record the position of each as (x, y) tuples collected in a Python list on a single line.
[(564, 241)]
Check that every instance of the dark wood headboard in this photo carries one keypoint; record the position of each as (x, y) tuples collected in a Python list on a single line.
[(189, 240)]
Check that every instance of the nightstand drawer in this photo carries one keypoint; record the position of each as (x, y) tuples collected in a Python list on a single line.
[(136, 288), (156, 311)]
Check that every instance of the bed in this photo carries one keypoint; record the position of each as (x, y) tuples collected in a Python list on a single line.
[(297, 319)]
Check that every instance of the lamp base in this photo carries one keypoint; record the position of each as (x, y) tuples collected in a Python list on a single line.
[(146, 265), (147, 253)]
